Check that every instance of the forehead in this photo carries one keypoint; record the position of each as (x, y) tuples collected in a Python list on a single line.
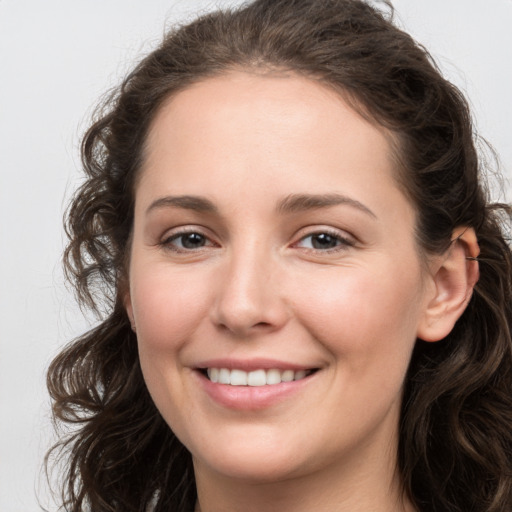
[(255, 110), (268, 133)]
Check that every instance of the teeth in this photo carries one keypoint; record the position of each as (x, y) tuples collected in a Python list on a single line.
[(257, 378), (238, 378), (273, 377), (299, 375), (254, 378), (224, 376), (287, 375), (213, 374)]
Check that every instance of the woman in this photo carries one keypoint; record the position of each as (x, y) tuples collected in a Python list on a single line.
[(310, 295)]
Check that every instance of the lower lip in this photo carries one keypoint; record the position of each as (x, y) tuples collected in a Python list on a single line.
[(251, 398)]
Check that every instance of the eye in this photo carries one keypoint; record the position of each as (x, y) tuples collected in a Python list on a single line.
[(185, 241), (324, 241)]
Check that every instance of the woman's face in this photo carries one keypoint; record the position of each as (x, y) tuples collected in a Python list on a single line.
[(271, 242)]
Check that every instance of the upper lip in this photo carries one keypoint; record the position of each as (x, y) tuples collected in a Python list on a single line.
[(252, 364)]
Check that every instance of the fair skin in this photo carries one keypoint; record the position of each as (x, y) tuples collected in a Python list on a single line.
[(270, 235)]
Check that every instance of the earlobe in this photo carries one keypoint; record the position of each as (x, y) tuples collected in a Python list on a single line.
[(454, 275), (127, 302)]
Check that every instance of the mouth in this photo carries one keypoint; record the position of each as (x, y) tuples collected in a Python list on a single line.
[(255, 378)]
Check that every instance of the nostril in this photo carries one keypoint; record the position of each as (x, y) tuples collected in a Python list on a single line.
[(244, 330)]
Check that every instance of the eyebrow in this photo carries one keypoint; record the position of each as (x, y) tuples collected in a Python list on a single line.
[(302, 202), (196, 203), (290, 204)]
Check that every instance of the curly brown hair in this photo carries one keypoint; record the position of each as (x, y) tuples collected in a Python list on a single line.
[(455, 448)]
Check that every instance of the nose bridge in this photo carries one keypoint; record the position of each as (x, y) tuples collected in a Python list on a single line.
[(248, 297)]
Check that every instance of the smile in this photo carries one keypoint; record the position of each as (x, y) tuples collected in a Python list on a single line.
[(261, 377), (254, 388)]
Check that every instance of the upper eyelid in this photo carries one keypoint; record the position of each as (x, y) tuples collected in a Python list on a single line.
[(315, 230), (178, 234), (344, 245), (173, 234), (185, 229), (300, 234)]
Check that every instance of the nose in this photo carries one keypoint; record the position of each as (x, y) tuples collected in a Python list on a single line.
[(249, 298)]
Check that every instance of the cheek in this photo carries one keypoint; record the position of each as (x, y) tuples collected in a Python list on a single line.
[(167, 307), (364, 316)]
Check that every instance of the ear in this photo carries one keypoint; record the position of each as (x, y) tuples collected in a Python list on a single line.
[(454, 275)]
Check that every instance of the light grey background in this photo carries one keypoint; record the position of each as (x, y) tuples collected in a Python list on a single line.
[(56, 58)]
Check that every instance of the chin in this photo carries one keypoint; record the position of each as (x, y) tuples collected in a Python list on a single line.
[(258, 462), (257, 471)]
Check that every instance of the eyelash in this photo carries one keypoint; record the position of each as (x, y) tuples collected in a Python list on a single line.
[(342, 243), (167, 243)]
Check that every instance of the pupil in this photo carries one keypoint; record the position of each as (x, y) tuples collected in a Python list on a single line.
[(192, 241), (324, 241)]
